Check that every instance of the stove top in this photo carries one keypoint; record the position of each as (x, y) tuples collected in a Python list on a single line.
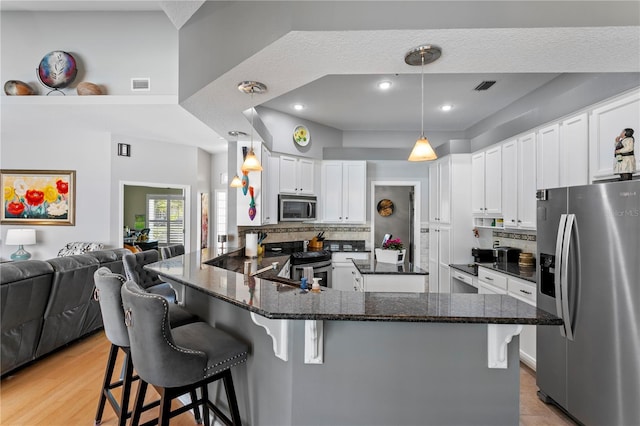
[(301, 257)]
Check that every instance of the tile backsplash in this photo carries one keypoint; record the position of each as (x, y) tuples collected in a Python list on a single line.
[(524, 240), (305, 231)]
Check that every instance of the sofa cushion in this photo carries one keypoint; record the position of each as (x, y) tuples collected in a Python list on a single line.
[(79, 248)]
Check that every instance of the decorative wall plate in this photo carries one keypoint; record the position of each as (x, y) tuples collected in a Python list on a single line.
[(301, 136), (385, 207), (57, 69)]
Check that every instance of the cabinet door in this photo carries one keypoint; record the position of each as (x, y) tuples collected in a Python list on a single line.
[(288, 175), (434, 193), (605, 124), (548, 153), (273, 184), (354, 184), (574, 151), (510, 183), (267, 171), (305, 171), (433, 259), (527, 182), (444, 178), (493, 181), (444, 259), (342, 276), (477, 183), (332, 191)]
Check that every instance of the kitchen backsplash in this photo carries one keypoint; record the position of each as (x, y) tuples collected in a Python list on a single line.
[(524, 240), (306, 231)]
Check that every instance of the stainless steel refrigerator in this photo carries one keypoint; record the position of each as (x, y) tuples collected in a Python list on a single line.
[(588, 240)]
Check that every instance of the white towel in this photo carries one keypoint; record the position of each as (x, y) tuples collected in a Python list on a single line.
[(307, 272)]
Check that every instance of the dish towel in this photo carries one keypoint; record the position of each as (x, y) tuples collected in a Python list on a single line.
[(307, 272)]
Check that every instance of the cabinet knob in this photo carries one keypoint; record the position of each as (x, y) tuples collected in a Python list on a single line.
[(340, 218), (519, 221), (346, 218), (512, 220)]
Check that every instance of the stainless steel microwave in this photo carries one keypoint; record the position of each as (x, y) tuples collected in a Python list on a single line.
[(296, 208)]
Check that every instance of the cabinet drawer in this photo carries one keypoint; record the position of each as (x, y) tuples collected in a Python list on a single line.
[(465, 278), (494, 278), (522, 290), (346, 256)]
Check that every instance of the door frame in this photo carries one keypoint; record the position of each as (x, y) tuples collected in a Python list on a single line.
[(416, 215), (186, 190)]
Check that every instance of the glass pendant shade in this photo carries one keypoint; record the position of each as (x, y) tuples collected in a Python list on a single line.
[(422, 151), (236, 182), (251, 162)]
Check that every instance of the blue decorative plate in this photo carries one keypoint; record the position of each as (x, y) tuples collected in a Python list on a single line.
[(57, 69)]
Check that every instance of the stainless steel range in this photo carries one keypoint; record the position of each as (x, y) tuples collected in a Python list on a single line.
[(319, 260)]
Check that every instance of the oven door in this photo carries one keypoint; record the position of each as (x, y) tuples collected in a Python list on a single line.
[(321, 270), (462, 283)]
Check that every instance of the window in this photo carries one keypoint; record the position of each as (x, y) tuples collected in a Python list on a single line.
[(221, 217), (165, 218)]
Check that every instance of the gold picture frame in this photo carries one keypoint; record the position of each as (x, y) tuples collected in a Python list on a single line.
[(38, 197)]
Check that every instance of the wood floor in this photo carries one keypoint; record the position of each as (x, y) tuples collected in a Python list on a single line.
[(63, 389)]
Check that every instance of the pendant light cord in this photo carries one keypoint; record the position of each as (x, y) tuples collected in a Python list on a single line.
[(422, 91), (252, 119)]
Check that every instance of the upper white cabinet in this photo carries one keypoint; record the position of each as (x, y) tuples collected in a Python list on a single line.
[(486, 181), (519, 182), (296, 175), (450, 236), (563, 153), (605, 123), (270, 181), (344, 186)]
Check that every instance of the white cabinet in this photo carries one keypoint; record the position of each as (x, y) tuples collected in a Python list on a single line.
[(344, 186), (525, 291), (344, 271), (519, 182), (486, 182), (450, 236), (563, 153), (260, 186), (296, 175), (270, 187), (605, 123), (491, 282)]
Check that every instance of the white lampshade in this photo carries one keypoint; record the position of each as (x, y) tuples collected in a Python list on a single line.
[(236, 182), (251, 162), (18, 237), (422, 151)]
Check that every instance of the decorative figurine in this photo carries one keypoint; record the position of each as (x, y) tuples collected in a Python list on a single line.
[(625, 163)]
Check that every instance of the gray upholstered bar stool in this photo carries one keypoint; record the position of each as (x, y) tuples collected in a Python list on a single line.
[(134, 270), (172, 250), (107, 292), (179, 360)]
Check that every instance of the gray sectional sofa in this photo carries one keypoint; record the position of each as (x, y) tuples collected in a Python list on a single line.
[(45, 305)]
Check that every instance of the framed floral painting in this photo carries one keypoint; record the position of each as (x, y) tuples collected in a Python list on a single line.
[(38, 197)]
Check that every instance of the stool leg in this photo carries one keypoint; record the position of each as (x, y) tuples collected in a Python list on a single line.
[(196, 410), (165, 407), (111, 362), (205, 405), (126, 388), (231, 398), (137, 409)]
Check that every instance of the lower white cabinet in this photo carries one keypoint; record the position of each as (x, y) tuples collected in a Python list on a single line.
[(492, 282), (344, 271)]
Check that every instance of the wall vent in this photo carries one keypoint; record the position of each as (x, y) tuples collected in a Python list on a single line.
[(140, 84), (485, 85)]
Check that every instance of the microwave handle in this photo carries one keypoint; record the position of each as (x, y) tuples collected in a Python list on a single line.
[(309, 209)]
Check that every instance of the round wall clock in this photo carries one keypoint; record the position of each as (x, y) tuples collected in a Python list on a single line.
[(385, 207), (57, 69), (301, 136)]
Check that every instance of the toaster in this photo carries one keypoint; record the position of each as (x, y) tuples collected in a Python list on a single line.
[(505, 254)]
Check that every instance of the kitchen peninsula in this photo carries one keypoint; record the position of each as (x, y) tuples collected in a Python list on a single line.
[(360, 358)]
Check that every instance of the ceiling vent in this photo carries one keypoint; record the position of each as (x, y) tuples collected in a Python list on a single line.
[(140, 84), (485, 85)]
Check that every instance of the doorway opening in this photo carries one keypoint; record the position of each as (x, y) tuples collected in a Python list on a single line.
[(162, 211), (395, 210)]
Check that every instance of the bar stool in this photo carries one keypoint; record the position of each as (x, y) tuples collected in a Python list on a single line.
[(172, 250), (179, 360), (107, 292), (134, 270)]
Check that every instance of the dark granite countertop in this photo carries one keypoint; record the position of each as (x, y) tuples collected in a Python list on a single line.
[(276, 300), (371, 267), (467, 268), (512, 268)]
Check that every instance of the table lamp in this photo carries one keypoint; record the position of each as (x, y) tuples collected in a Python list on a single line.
[(20, 238), (222, 238)]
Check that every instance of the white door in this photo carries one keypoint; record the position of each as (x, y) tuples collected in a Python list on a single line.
[(354, 184), (305, 171), (444, 177), (493, 181), (527, 182), (288, 173), (477, 183), (444, 253), (510, 183), (434, 193), (574, 149), (548, 151), (332, 191)]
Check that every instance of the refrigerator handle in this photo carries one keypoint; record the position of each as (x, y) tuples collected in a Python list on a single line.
[(559, 268), (566, 316)]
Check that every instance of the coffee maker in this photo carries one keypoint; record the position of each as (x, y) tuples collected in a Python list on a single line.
[(482, 255)]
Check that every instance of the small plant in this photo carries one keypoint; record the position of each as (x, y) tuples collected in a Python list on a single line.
[(395, 244)]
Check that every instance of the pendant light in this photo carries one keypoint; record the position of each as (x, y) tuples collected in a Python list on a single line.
[(236, 182), (422, 150), (251, 162)]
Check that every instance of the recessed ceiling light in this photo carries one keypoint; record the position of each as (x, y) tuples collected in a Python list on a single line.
[(298, 107), (384, 85), (446, 107)]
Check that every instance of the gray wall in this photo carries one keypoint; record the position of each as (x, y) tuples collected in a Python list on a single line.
[(397, 224)]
